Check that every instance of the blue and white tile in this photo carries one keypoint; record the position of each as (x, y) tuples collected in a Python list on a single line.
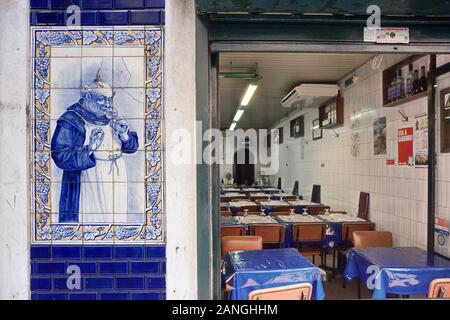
[(128, 72), (65, 73), (61, 99), (90, 67), (129, 102), (135, 166)]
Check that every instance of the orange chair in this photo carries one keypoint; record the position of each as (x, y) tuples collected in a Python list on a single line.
[(241, 243), (372, 239), (226, 231), (283, 208), (347, 237), (439, 289), (301, 291), (305, 233), (289, 198), (271, 234)]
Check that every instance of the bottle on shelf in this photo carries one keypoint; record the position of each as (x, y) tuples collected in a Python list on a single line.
[(416, 83), (391, 96), (423, 80), (409, 82), (400, 86)]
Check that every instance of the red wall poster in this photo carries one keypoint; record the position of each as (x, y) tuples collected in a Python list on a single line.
[(405, 147)]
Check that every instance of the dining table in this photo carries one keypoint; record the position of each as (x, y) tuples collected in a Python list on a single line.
[(271, 205), (334, 223), (395, 270), (245, 271), (235, 206)]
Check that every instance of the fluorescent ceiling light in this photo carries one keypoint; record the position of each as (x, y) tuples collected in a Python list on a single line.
[(233, 125), (238, 115), (249, 93)]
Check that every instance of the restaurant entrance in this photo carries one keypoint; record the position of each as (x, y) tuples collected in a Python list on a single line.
[(361, 115)]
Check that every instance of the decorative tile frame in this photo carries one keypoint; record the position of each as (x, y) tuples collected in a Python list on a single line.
[(151, 40)]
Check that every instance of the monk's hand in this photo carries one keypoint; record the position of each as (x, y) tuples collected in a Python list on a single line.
[(121, 128), (96, 139)]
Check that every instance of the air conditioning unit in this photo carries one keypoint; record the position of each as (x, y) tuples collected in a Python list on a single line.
[(310, 95)]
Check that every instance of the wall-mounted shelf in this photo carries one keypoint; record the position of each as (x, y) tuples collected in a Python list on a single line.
[(428, 61), (331, 114)]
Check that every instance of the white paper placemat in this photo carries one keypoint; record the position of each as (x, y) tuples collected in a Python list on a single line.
[(274, 203), (298, 218), (255, 219), (340, 217), (303, 203), (242, 203)]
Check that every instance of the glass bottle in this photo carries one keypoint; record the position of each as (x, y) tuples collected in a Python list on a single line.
[(423, 79), (392, 88), (400, 86), (409, 82), (416, 83)]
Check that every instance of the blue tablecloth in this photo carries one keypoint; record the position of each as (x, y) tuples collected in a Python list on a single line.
[(246, 271), (403, 270)]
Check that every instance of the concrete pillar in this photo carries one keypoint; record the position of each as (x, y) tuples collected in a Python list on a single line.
[(180, 113), (14, 150)]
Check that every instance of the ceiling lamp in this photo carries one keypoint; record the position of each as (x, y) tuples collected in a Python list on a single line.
[(249, 92), (238, 115), (233, 125)]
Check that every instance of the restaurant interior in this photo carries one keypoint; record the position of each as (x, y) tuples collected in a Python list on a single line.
[(341, 210)]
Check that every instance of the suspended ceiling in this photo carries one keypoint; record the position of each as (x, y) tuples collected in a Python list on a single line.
[(280, 72)]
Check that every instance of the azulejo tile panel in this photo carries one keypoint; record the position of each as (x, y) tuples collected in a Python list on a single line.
[(98, 158)]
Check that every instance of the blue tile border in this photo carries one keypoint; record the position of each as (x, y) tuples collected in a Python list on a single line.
[(108, 272), (98, 12)]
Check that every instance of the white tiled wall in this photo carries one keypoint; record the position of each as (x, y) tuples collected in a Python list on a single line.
[(398, 194)]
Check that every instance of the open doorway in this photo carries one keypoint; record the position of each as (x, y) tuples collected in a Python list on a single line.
[(361, 146), (244, 173)]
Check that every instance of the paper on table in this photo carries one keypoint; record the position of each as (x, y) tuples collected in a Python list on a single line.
[(303, 203), (340, 217), (255, 219), (242, 203), (274, 203), (298, 218)]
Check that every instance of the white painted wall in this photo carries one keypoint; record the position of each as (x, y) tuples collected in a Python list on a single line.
[(398, 200), (14, 97), (180, 106)]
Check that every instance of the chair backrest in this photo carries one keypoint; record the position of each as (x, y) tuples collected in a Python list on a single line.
[(225, 212), (280, 213), (316, 210), (315, 196), (279, 183), (439, 289), (283, 208), (363, 205), (295, 189), (309, 232), (301, 291), (372, 239), (350, 227), (289, 198), (226, 231), (270, 233), (239, 199), (224, 199), (240, 243), (250, 208)]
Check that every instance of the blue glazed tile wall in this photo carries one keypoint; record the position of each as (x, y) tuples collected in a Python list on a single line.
[(98, 12), (107, 272)]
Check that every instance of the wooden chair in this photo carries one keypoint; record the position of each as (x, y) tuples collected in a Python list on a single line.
[(305, 234), (315, 196), (283, 208), (226, 231), (239, 199), (347, 238), (280, 213), (301, 291), (295, 188), (251, 209), (316, 210), (439, 289), (225, 213), (363, 205), (289, 198), (224, 199), (372, 239), (271, 234), (241, 243)]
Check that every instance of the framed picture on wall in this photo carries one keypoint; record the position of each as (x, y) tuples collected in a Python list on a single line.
[(298, 127), (316, 129)]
